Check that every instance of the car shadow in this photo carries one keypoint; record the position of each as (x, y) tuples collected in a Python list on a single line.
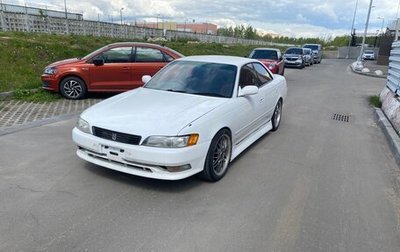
[(171, 186), (100, 95)]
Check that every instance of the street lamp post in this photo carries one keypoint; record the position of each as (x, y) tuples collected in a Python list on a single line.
[(383, 21), (365, 31), (66, 17), (352, 29), (120, 12), (158, 15)]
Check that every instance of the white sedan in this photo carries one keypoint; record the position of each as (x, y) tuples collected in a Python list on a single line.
[(195, 116)]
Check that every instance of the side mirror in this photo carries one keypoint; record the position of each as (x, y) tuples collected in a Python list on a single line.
[(146, 78), (98, 62), (248, 90)]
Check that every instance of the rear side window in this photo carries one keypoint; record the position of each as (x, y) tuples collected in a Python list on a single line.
[(146, 54), (116, 55)]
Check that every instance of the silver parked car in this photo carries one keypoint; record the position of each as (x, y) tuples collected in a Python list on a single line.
[(308, 57), (317, 51)]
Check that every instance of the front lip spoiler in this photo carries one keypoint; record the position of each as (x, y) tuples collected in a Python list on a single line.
[(136, 165)]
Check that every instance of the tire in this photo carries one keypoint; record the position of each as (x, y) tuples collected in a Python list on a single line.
[(218, 157), (277, 116), (73, 88)]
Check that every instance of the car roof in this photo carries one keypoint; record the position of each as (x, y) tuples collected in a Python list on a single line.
[(143, 44), (221, 59), (264, 48)]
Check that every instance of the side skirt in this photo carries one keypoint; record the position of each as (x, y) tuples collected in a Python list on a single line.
[(239, 148)]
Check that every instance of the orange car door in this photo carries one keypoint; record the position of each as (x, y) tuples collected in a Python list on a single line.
[(115, 73), (148, 61)]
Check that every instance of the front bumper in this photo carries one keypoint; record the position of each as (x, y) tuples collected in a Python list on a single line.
[(141, 160), (49, 82), (289, 63)]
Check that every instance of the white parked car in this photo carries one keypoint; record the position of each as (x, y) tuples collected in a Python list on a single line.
[(368, 55), (194, 116)]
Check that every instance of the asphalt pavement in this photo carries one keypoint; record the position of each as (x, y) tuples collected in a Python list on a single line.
[(322, 182)]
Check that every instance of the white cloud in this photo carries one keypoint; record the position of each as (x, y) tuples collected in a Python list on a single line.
[(288, 17)]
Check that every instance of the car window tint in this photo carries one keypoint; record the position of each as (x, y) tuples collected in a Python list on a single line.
[(264, 54), (262, 73), (117, 55), (146, 54), (168, 57), (199, 78), (248, 76)]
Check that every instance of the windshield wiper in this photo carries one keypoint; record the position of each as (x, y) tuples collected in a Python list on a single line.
[(177, 91), (210, 94)]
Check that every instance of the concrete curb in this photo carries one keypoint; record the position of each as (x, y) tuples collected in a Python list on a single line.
[(39, 123), (5, 95), (393, 140), (367, 74)]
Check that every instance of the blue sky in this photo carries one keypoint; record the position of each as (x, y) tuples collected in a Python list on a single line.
[(307, 18)]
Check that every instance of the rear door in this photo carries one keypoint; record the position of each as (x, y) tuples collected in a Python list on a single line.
[(115, 74), (147, 61)]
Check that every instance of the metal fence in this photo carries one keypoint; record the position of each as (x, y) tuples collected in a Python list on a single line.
[(393, 79), (30, 21), (10, 8)]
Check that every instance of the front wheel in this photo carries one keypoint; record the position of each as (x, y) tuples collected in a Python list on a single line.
[(73, 88), (277, 116), (218, 157)]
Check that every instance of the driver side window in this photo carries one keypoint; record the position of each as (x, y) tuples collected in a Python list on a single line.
[(116, 55), (248, 77)]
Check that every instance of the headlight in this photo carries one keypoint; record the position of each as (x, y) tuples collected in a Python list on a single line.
[(272, 65), (50, 70), (171, 141), (83, 126)]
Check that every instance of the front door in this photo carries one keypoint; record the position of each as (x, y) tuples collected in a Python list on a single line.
[(115, 74)]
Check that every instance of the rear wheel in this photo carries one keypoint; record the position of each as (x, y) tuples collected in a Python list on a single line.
[(277, 116), (218, 157), (73, 88)]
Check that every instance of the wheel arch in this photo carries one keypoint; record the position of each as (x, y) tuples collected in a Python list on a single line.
[(72, 75)]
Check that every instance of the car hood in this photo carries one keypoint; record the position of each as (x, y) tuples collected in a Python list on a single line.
[(268, 61), (147, 112), (64, 62), (291, 55)]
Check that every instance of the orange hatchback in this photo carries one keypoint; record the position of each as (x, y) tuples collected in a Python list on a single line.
[(113, 68)]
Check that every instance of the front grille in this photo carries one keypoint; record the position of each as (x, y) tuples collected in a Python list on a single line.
[(116, 136), (45, 83)]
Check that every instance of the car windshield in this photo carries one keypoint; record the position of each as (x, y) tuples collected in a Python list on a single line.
[(294, 51), (369, 52), (312, 47), (199, 78), (264, 54)]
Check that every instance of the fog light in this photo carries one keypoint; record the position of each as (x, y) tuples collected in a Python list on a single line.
[(178, 168)]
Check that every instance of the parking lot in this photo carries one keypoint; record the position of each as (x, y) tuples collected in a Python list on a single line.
[(317, 184)]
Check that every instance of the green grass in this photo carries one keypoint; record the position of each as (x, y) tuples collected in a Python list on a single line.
[(375, 101), (23, 57), (37, 96)]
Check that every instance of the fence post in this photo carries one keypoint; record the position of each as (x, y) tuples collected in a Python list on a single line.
[(2, 19), (27, 26)]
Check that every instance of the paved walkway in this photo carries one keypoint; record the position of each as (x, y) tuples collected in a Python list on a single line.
[(18, 113)]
